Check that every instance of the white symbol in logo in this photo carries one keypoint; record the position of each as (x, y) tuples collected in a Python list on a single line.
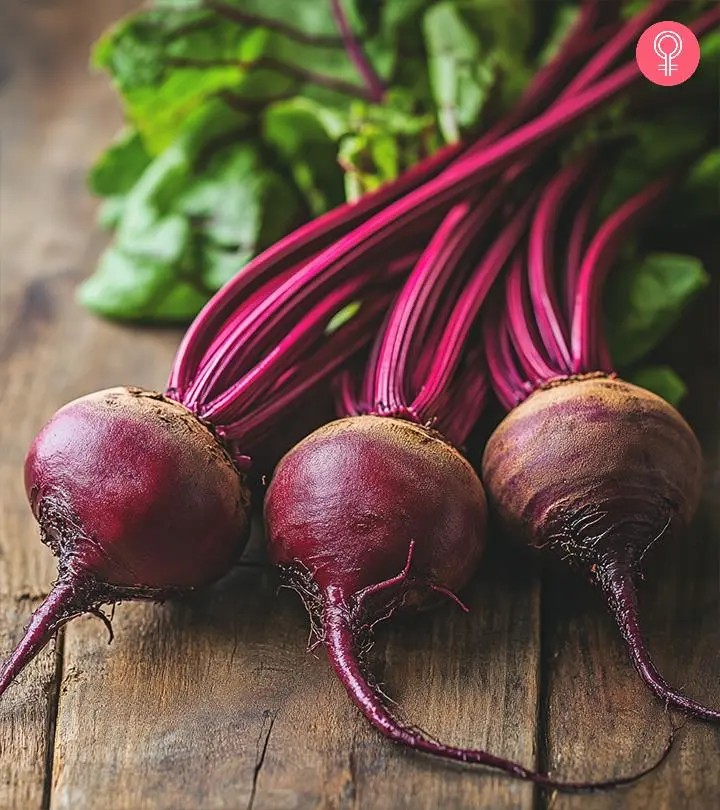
[(668, 57)]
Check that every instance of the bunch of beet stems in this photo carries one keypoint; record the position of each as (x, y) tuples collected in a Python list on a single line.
[(256, 350), (586, 467), (340, 541)]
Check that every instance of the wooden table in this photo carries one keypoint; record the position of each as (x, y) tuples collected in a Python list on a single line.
[(214, 703)]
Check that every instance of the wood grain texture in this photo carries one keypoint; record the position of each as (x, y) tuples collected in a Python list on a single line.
[(215, 703)]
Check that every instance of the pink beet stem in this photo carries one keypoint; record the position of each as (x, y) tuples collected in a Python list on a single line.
[(520, 323), (541, 259), (430, 345), (466, 311), (288, 252), (603, 60), (62, 603), (435, 267), (617, 583), (586, 354), (341, 649), (507, 382), (534, 96), (375, 87), (577, 242)]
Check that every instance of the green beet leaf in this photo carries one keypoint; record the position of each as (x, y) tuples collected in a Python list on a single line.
[(460, 79), (199, 212), (661, 380), (472, 46), (304, 135), (645, 298)]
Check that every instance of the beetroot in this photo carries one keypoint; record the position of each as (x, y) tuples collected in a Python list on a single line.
[(588, 468), (362, 496), (136, 498), (135, 488)]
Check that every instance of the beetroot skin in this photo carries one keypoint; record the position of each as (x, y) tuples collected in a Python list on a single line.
[(137, 498), (593, 467), (595, 470), (346, 503), (132, 487)]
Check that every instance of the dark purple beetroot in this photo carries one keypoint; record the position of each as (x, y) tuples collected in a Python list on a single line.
[(137, 499), (347, 502), (594, 471)]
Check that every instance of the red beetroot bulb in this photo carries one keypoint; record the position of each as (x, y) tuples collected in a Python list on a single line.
[(137, 498), (587, 467), (349, 503), (594, 471)]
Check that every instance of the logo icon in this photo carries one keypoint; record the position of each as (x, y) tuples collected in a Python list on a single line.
[(668, 53), (669, 57)]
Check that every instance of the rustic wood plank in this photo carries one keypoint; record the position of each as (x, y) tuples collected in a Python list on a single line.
[(467, 680), (601, 720), (215, 703), (53, 120)]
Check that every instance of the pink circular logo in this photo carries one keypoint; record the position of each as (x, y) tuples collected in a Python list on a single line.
[(668, 53)]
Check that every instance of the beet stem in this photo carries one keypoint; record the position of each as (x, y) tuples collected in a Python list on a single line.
[(67, 599), (356, 54), (617, 581), (341, 649), (529, 348), (585, 327), (554, 331)]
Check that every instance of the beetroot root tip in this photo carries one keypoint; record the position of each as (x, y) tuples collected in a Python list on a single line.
[(339, 640), (617, 582), (70, 596)]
